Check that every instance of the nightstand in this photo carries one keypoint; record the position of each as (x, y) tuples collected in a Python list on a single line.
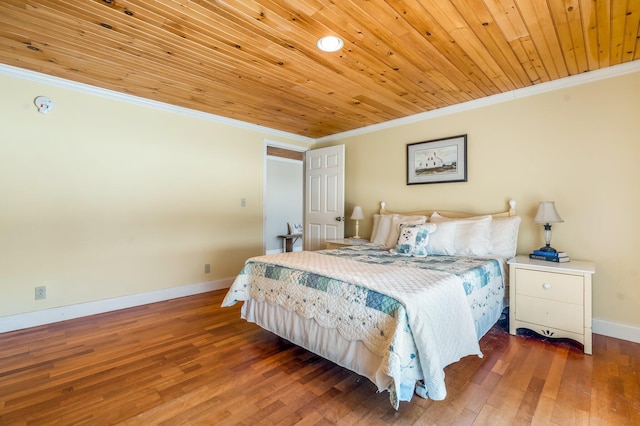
[(552, 299), (343, 242)]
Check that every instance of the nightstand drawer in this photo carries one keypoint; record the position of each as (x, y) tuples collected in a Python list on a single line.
[(550, 285), (565, 316)]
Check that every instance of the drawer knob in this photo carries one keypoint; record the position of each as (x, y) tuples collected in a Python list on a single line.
[(546, 286)]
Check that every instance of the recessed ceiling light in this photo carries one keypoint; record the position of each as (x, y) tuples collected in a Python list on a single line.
[(330, 44)]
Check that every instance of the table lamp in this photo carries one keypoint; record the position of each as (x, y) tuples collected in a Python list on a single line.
[(357, 215), (547, 214)]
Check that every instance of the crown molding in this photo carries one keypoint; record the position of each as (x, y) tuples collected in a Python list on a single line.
[(575, 80), (37, 77)]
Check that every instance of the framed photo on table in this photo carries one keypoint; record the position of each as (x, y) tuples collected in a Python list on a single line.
[(437, 161)]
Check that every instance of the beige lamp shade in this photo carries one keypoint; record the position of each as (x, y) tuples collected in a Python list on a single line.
[(547, 213), (357, 215)]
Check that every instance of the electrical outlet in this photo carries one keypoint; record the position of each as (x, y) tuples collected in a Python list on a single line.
[(41, 292), (207, 268)]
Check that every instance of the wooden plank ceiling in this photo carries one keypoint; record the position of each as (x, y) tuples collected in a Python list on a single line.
[(257, 61)]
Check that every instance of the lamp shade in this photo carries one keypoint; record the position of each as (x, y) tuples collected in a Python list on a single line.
[(547, 213), (357, 213)]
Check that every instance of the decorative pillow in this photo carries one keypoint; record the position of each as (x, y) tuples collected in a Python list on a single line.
[(384, 227), (442, 240), (413, 239), (473, 235), (504, 235), (396, 222)]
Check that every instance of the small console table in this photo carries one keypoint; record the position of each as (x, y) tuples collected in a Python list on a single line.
[(288, 241)]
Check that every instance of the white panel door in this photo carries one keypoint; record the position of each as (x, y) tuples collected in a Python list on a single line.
[(324, 196)]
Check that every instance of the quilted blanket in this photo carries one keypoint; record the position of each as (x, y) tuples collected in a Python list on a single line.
[(414, 318)]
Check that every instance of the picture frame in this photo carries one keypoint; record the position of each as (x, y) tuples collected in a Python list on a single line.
[(294, 228), (437, 161)]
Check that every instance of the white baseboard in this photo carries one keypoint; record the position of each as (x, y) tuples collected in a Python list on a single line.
[(617, 330), (63, 313)]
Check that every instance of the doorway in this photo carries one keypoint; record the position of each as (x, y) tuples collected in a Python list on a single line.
[(283, 193)]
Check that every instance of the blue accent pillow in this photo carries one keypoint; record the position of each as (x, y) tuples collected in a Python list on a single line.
[(413, 239)]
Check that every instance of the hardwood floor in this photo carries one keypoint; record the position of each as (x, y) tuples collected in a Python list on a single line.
[(188, 361)]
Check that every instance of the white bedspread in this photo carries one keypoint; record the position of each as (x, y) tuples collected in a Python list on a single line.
[(437, 312)]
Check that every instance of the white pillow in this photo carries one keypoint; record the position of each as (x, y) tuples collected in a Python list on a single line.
[(473, 235), (504, 235), (376, 225), (442, 240), (398, 220), (384, 227)]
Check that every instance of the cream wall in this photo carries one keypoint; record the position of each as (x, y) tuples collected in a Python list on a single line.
[(103, 198), (578, 146)]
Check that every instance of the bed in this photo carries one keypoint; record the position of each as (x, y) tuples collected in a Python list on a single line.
[(396, 310)]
